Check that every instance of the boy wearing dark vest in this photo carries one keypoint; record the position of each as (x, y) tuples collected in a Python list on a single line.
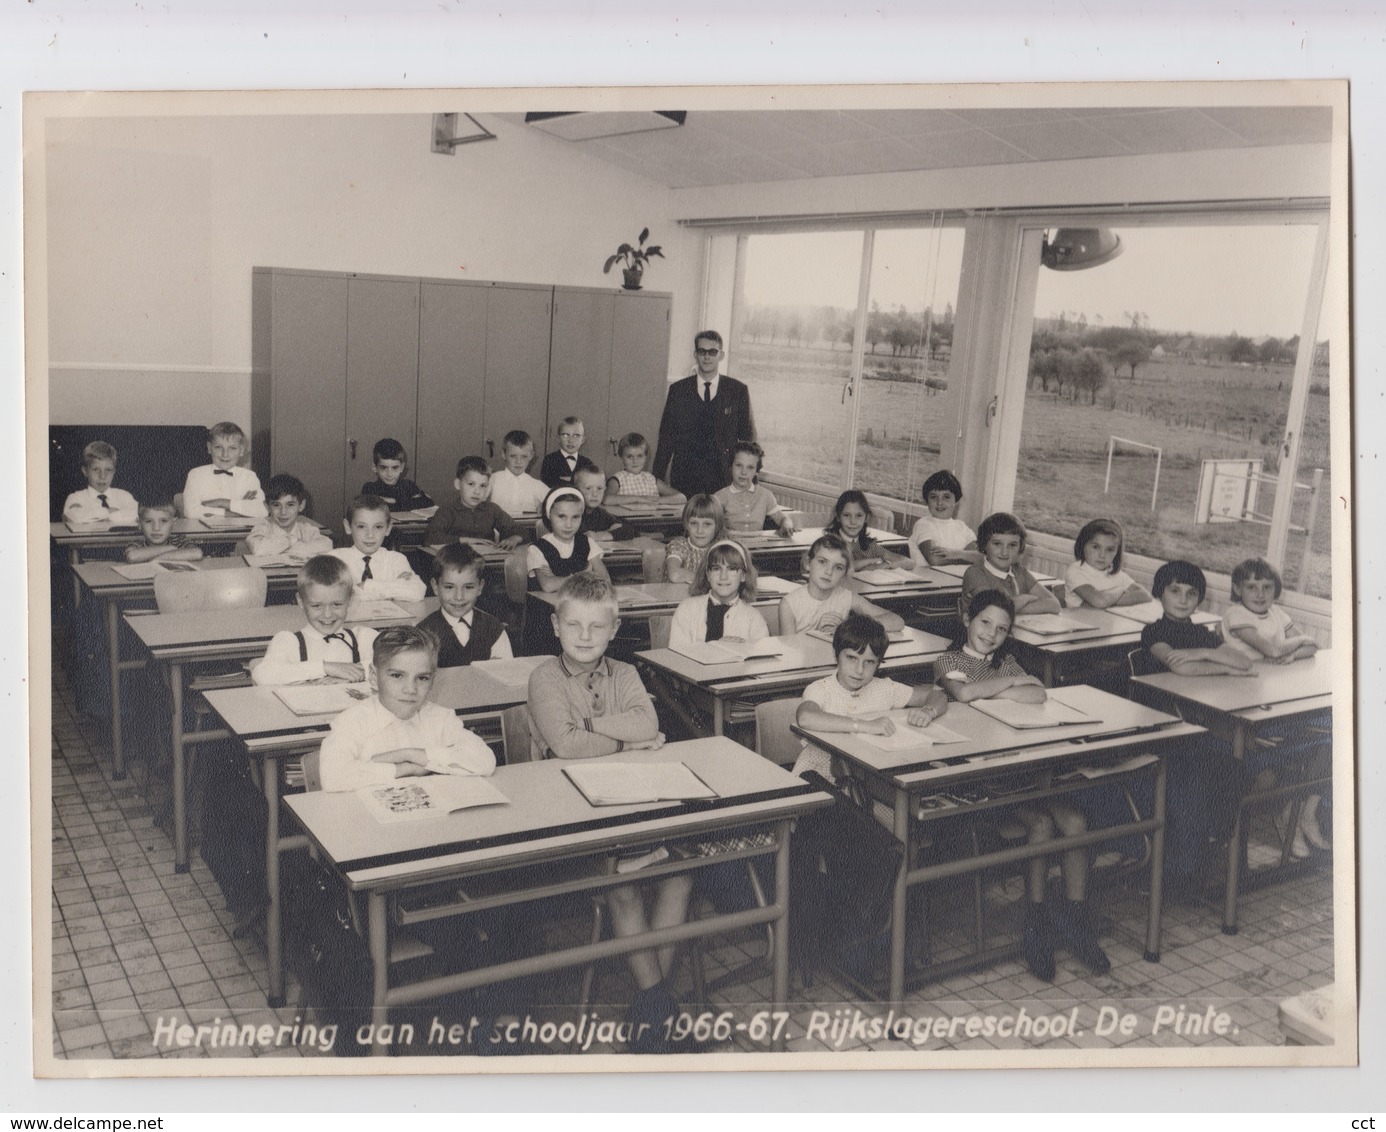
[(326, 649), (465, 633)]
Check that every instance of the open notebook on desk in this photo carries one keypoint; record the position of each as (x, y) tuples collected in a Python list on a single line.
[(628, 784), (226, 522), (891, 576), (1027, 717), (907, 738), (729, 652), (321, 699), (1052, 624), (416, 799), (376, 609)]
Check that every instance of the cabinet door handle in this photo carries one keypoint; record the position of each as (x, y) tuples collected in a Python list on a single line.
[(612, 441), (490, 449), (353, 448)]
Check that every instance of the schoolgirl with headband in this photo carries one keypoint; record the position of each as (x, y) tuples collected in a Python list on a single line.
[(720, 606), (565, 550)]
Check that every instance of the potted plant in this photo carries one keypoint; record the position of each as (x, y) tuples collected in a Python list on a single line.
[(633, 260)]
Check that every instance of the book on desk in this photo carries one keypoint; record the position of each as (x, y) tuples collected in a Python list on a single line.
[(727, 651), (628, 784), (417, 799), (321, 699)]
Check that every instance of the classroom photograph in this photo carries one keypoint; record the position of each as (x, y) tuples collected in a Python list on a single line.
[(819, 578)]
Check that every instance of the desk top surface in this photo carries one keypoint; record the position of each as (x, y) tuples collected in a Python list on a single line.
[(991, 746), (653, 597), (234, 628), (546, 816), (257, 713), (103, 534), (801, 655), (103, 577), (1268, 685)]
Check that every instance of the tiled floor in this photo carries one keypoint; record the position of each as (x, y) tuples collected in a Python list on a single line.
[(134, 942)]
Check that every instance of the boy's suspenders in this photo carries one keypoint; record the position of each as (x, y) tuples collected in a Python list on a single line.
[(350, 642)]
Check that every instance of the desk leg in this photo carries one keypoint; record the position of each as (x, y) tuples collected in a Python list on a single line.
[(379, 929), (900, 903), (180, 801), (74, 559), (274, 941), (1234, 845), (113, 659), (780, 993), (717, 715), (1157, 867)]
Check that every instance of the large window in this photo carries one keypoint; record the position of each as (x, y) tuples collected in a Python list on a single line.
[(846, 338), (1159, 392)]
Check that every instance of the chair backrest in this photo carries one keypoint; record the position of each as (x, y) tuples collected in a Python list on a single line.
[(517, 735), (517, 576), (182, 591), (1141, 663), (652, 563), (242, 547), (660, 624), (771, 613), (805, 520), (312, 770), (774, 740), (882, 519), (178, 503)]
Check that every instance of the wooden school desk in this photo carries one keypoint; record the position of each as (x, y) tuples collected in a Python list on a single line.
[(991, 750), (408, 527), (656, 517), (774, 554), (640, 602), (714, 687), (85, 537), (563, 844), (178, 639), (623, 559), (1237, 708), (933, 593), (1104, 637), (116, 593), (272, 734)]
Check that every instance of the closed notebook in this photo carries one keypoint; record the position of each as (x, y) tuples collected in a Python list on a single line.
[(628, 784), (417, 799), (890, 576), (1148, 612), (226, 522), (321, 699), (779, 586), (143, 571)]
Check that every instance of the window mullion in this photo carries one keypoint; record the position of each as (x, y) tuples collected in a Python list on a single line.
[(1278, 541), (868, 238)]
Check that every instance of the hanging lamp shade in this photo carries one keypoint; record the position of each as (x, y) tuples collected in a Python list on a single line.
[(1074, 249)]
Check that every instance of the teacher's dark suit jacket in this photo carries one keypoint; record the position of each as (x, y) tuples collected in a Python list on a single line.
[(701, 455)]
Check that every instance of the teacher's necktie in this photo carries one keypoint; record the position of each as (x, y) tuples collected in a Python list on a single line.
[(707, 391)]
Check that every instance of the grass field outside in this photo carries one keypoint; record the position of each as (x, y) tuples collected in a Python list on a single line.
[(1193, 411)]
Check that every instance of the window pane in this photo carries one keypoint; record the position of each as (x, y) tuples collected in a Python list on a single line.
[(800, 290), (908, 411), (1181, 349), (1308, 556)]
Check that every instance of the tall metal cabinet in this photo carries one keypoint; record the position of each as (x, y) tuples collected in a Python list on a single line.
[(444, 366)]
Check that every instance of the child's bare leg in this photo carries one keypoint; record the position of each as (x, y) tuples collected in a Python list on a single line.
[(671, 907), (1071, 822), (627, 906), (1039, 828)]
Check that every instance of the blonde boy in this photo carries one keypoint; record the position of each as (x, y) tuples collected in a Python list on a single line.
[(325, 650), (397, 733), (583, 704), (287, 531), (513, 489), (223, 487), (158, 542), (375, 571), (99, 502)]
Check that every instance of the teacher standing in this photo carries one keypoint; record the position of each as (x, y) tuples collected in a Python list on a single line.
[(705, 414)]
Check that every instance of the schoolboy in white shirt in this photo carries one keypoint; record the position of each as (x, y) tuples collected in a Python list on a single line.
[(375, 571), (513, 489), (287, 532), (223, 487), (325, 650), (397, 733), (99, 502)]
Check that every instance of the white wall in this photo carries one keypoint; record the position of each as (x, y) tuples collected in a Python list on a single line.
[(155, 224)]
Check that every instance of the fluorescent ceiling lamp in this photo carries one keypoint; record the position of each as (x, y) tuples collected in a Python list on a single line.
[(588, 124)]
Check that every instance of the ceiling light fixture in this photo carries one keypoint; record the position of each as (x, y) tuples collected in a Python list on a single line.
[(1075, 249)]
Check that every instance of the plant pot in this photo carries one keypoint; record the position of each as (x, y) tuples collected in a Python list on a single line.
[(632, 277)]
